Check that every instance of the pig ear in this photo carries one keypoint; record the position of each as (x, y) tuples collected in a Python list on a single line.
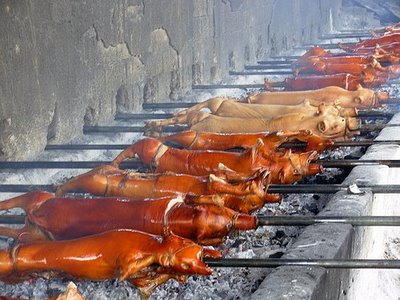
[(256, 149), (359, 86), (281, 176), (211, 253), (288, 153), (259, 144)]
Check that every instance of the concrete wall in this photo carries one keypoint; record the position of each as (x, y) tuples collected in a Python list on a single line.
[(65, 63)]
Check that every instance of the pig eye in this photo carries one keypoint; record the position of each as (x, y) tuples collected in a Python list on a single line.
[(321, 126), (357, 100)]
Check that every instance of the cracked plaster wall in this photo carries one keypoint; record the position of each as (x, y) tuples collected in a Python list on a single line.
[(64, 64)]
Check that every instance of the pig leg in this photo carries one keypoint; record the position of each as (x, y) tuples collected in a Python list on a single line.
[(212, 104), (94, 182), (27, 234), (215, 199), (146, 285), (171, 121), (26, 201), (255, 185), (185, 117), (130, 267), (145, 149), (313, 142), (230, 175), (6, 263), (268, 85), (210, 241), (183, 139)]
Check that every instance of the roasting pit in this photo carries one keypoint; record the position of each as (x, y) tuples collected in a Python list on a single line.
[(225, 283), (316, 241), (231, 283)]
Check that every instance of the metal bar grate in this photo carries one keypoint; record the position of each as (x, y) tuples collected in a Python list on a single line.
[(273, 188), (324, 263)]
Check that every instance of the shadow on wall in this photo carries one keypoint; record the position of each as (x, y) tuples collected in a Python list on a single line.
[(387, 11)]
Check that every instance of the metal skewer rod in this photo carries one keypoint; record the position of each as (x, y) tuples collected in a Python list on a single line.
[(329, 188), (273, 72), (273, 188), (175, 105), (283, 220), (286, 72), (324, 263), (277, 84), (87, 146), (374, 114), (167, 105), (357, 30), (325, 46), (151, 116), (134, 164), (12, 219), (269, 66), (365, 128), (284, 145), (228, 86), (276, 61), (26, 188), (286, 57), (66, 164), (350, 163), (147, 116), (115, 129), (338, 144), (158, 116), (349, 35), (311, 220)]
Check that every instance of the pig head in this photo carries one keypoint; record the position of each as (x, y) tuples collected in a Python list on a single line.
[(328, 123), (289, 167), (363, 97)]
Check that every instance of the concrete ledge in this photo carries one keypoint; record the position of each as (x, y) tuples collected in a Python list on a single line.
[(331, 241), (395, 120), (321, 241)]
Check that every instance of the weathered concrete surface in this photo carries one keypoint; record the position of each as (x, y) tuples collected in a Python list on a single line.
[(388, 11), (320, 242), (380, 242), (64, 64)]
